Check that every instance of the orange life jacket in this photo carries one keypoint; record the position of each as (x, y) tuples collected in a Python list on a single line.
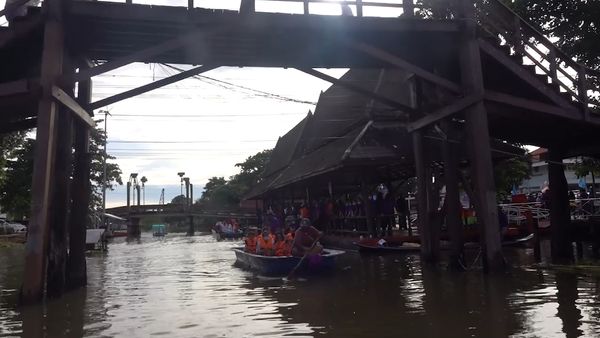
[(251, 244), (283, 248), (265, 245)]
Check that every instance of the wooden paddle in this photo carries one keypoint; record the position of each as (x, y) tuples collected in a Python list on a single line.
[(304, 257)]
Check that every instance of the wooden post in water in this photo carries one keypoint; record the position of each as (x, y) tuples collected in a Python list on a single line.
[(368, 208), (453, 207), (424, 222), (80, 191), (478, 140), (44, 158), (57, 246), (560, 216)]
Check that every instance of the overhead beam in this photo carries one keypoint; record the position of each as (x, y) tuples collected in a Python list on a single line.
[(519, 102), (359, 90), (397, 61), (10, 127), (524, 74), (141, 55), (444, 112), (151, 86), (70, 103), (11, 6)]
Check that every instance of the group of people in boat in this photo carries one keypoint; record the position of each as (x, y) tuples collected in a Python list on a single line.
[(291, 241), (230, 226)]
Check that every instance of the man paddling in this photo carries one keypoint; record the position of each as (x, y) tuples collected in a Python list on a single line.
[(306, 240)]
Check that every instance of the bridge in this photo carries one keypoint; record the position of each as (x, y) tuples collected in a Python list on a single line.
[(134, 213), (495, 75)]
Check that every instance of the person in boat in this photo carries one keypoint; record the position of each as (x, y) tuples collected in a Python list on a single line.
[(250, 241), (306, 240), (265, 243), (283, 246)]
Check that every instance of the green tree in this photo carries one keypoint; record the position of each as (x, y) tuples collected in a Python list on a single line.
[(9, 143), (574, 25), (179, 199), (113, 172), (219, 192), (15, 188), (510, 172)]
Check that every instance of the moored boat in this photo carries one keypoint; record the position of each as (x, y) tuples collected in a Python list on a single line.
[(283, 265), (379, 246)]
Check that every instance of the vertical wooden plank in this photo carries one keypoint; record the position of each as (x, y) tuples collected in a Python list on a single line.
[(80, 191), (57, 246), (553, 66), (453, 219), (435, 215), (306, 7), (518, 36), (582, 89), (408, 6), (560, 215), (424, 223), (190, 5), (191, 229), (369, 212), (359, 8), (43, 168), (478, 139)]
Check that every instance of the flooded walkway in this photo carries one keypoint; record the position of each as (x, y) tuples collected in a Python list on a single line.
[(187, 287)]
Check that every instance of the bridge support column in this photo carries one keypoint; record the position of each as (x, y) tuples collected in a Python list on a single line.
[(133, 229), (57, 249), (478, 140), (44, 159), (426, 231), (191, 229), (80, 191), (452, 200), (560, 214)]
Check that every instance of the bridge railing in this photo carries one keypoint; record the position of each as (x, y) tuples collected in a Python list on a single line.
[(580, 82)]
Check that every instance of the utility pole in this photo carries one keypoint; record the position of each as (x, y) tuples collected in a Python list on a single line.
[(106, 113)]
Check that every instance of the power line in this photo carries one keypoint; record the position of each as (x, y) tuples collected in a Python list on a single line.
[(223, 84)]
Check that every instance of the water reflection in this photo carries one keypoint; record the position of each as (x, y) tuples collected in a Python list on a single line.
[(181, 287)]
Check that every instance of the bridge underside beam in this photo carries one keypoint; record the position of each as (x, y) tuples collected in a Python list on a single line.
[(377, 97), (444, 112), (151, 86), (70, 103), (397, 61), (144, 54)]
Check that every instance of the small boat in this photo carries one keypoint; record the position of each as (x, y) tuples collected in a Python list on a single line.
[(282, 266), (381, 246), (159, 230), (220, 236)]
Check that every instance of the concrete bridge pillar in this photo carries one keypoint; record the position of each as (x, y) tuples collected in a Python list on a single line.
[(133, 228)]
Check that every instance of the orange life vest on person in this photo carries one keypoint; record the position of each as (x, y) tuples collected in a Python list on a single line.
[(283, 248), (251, 244), (265, 245)]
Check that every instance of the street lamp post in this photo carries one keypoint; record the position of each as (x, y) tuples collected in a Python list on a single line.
[(106, 113), (181, 174), (144, 180)]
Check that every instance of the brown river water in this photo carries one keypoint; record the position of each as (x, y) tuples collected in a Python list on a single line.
[(187, 287)]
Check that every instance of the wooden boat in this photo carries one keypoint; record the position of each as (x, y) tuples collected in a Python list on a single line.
[(282, 266), (159, 230), (220, 236), (400, 245), (373, 245)]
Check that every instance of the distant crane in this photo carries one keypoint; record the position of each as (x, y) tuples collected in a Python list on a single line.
[(161, 200)]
